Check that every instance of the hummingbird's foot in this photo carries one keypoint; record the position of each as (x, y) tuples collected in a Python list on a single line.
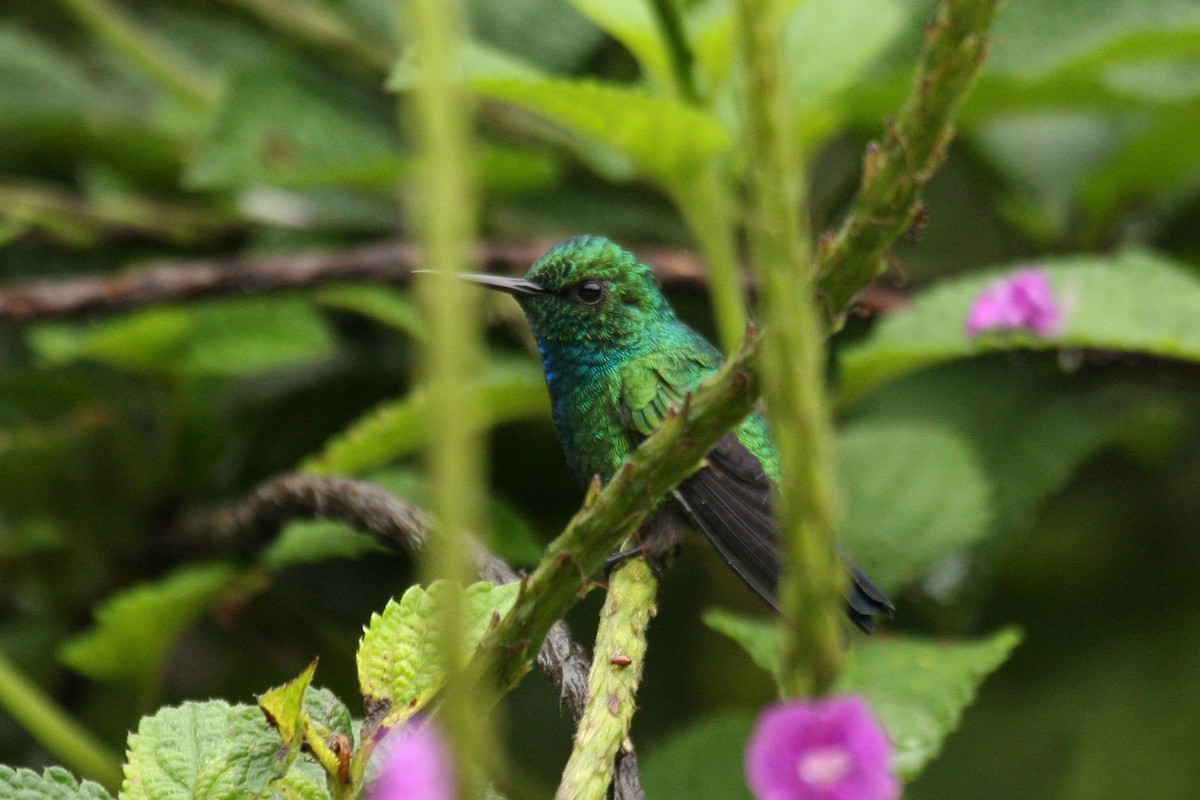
[(658, 562)]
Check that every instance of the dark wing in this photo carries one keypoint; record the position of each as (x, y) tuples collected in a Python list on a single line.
[(729, 500)]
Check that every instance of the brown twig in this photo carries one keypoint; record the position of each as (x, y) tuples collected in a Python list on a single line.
[(384, 262)]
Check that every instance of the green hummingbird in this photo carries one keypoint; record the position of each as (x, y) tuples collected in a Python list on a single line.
[(617, 360)]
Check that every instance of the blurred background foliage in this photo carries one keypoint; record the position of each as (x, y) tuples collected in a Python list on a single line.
[(164, 130)]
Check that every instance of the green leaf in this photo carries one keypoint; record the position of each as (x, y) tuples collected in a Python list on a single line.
[(238, 337), (634, 24), (284, 705), (920, 688), (912, 496), (831, 42), (704, 761), (758, 636), (313, 541), (384, 304), (55, 783), (136, 630), (1134, 302), (506, 391), (665, 139), (550, 33), (201, 751), (297, 785), (227, 338), (273, 128), (401, 663)]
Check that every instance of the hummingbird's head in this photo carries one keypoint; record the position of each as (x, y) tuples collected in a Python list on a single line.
[(587, 290)]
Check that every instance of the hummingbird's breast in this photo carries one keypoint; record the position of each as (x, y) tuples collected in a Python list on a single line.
[(585, 392)]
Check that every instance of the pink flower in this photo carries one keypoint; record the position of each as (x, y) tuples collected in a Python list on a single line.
[(416, 765), (1023, 300), (820, 750)]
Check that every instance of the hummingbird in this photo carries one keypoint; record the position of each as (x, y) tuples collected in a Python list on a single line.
[(617, 360)]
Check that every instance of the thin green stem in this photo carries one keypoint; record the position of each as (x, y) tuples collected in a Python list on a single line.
[(443, 207), (667, 456), (137, 44), (895, 173), (321, 27), (793, 368), (707, 205), (616, 672), (33, 710)]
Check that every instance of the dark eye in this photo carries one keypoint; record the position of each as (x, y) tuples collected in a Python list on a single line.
[(589, 293)]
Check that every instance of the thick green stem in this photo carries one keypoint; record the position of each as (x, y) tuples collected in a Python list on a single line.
[(793, 365), (124, 35), (444, 209), (895, 172), (55, 730), (616, 671), (662, 461)]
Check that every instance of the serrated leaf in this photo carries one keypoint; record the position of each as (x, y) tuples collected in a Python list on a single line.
[(297, 785), (634, 24), (912, 496), (284, 704), (506, 391), (919, 688), (201, 751), (1133, 302), (273, 128), (401, 663), (55, 783), (136, 630), (704, 761)]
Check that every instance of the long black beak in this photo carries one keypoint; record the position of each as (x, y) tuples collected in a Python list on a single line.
[(518, 287)]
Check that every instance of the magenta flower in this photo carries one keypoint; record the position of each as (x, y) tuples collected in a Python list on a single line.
[(820, 750), (1022, 300), (416, 765)]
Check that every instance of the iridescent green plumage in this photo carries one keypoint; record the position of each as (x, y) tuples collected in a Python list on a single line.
[(617, 360)]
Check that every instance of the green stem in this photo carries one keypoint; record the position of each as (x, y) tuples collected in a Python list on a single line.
[(616, 671), (793, 368), (322, 28), (707, 205), (33, 710), (667, 456), (895, 173), (444, 211), (124, 35)]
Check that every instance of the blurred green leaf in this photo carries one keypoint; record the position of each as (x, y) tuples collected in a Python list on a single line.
[(226, 338), (401, 659), (911, 496), (550, 33), (55, 783), (274, 129), (1133, 302), (384, 304), (41, 80), (634, 24), (211, 750), (920, 688), (136, 630), (313, 541), (507, 390), (704, 761), (758, 636), (831, 42)]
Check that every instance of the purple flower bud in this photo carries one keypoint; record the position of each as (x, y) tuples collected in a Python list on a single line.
[(1023, 300), (416, 765), (820, 750)]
